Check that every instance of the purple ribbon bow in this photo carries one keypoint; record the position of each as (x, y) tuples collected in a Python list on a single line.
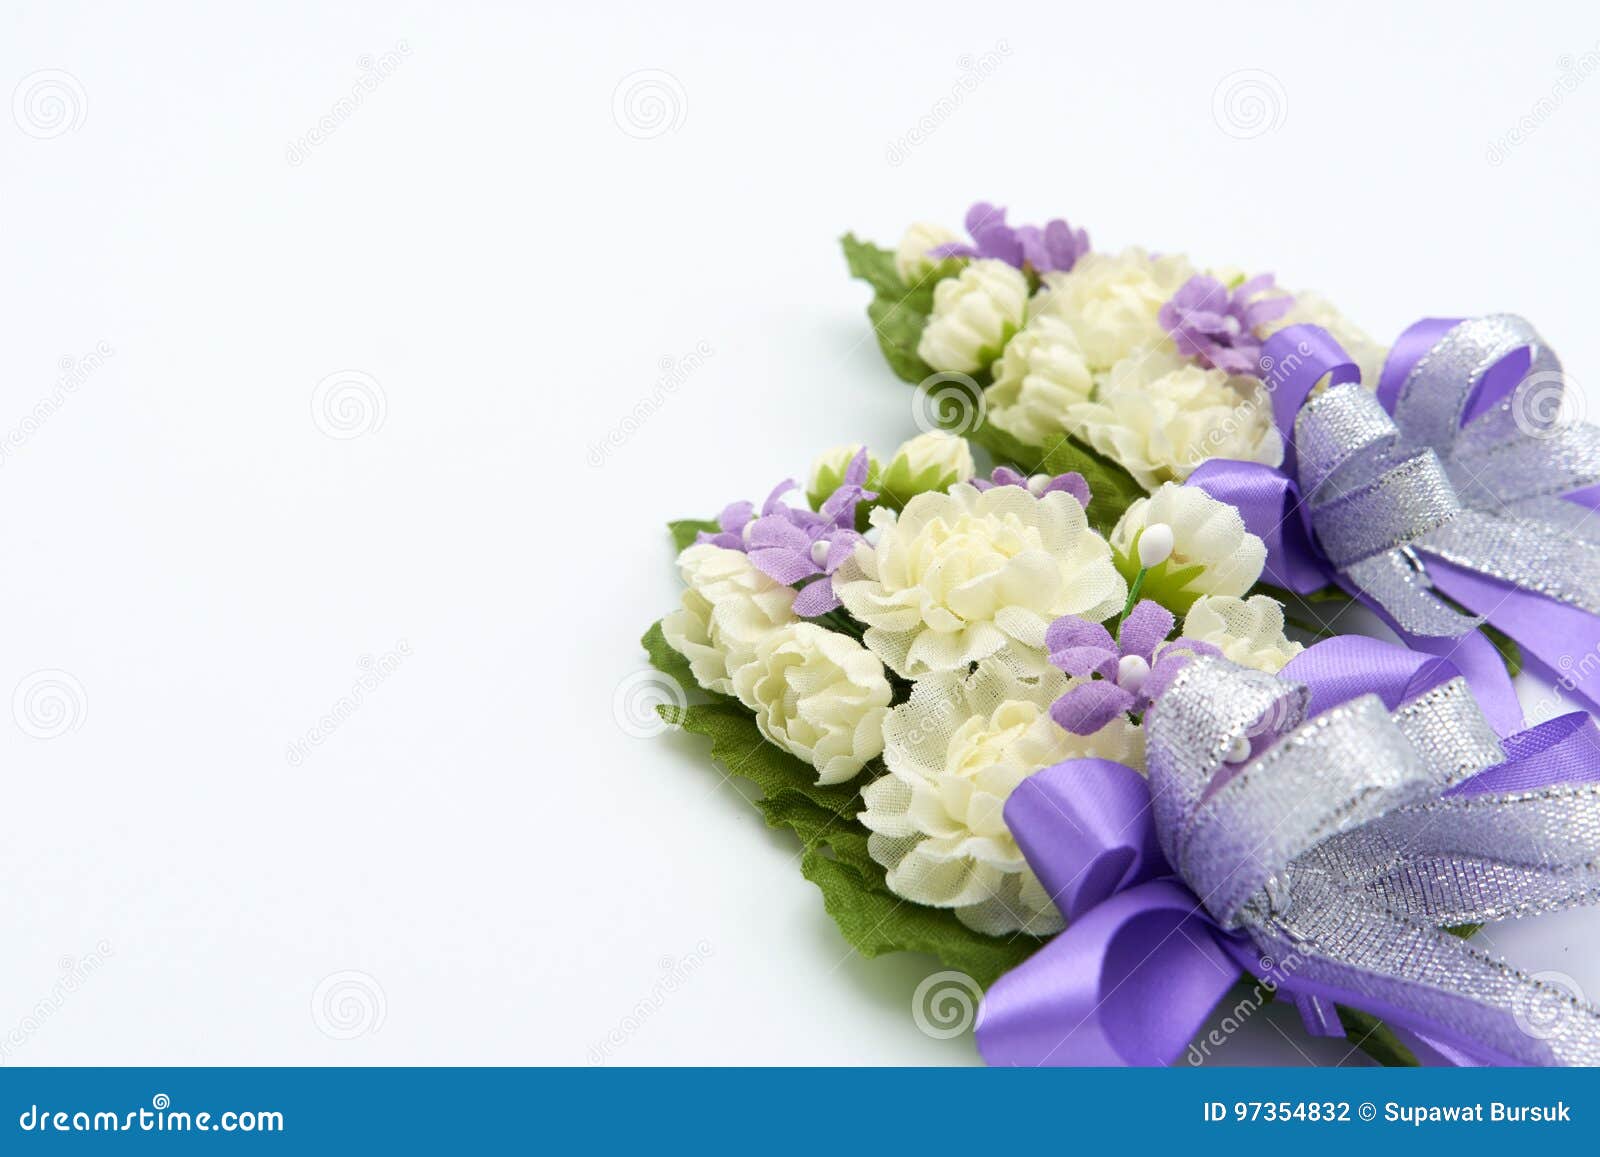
[(1458, 477), (1318, 830)]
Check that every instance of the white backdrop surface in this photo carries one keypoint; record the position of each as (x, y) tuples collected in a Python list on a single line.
[(313, 321)]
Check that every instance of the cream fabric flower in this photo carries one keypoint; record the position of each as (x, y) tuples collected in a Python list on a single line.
[(1312, 309), (817, 694), (1041, 375), (1247, 631), (913, 259), (728, 609), (961, 576), (974, 315), (1111, 301), (1161, 416), (936, 460), (1205, 532), (955, 752)]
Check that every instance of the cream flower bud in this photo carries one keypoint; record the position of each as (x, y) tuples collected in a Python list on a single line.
[(913, 259), (827, 473), (933, 461), (1247, 631), (1039, 377), (817, 694), (1205, 533), (728, 609), (1155, 544), (974, 315)]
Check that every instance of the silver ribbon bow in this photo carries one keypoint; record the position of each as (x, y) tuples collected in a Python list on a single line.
[(1332, 845), (1485, 495)]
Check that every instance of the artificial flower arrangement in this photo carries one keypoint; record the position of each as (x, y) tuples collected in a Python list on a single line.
[(1047, 723)]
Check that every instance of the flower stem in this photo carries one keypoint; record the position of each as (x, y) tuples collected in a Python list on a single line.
[(1133, 593)]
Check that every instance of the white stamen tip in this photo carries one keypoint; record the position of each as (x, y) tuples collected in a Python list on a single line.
[(1037, 483), (1132, 671), (1238, 750), (1155, 544), (745, 533), (819, 552)]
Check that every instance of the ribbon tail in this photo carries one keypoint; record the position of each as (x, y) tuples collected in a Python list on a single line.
[(1130, 983)]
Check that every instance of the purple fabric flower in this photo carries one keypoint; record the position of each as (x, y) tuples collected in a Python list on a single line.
[(1055, 248), (790, 544), (1039, 485), (1133, 671), (1219, 328)]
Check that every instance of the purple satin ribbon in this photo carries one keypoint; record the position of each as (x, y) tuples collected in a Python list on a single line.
[(1142, 965), (1273, 507)]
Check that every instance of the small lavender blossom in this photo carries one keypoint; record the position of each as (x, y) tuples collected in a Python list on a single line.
[(1055, 248), (1038, 485), (1121, 676), (1219, 328)]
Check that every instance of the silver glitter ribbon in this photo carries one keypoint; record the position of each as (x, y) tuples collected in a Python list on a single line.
[(1481, 492), (1332, 845)]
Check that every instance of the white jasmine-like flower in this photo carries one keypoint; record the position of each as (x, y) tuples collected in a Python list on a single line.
[(964, 575), (1247, 631), (1205, 533), (1039, 377), (1312, 309), (1111, 301), (817, 694), (827, 473), (729, 607), (933, 461), (1160, 416), (955, 752), (974, 315), (913, 259)]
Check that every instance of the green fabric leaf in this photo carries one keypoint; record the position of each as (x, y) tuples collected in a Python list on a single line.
[(835, 858), (666, 660), (684, 530), (898, 311), (1376, 1039), (1111, 488)]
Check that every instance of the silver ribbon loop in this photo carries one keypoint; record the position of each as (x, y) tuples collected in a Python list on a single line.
[(1332, 840), (1473, 483)]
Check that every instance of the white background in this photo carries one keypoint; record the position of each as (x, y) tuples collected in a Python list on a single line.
[(506, 250)]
